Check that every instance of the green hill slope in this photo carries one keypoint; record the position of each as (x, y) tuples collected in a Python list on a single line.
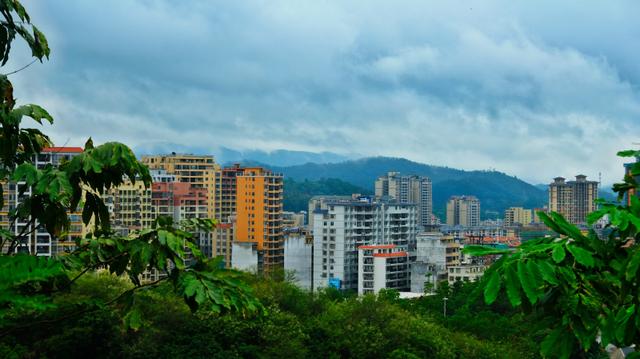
[(496, 190)]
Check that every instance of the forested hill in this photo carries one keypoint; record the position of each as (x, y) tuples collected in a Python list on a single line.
[(298, 193), (496, 190)]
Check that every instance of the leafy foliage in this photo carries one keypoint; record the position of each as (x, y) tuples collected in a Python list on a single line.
[(30, 286), (299, 324), (582, 285)]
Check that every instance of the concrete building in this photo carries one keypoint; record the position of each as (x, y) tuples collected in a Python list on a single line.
[(434, 253), (293, 219), (181, 201), (199, 171), (298, 256), (318, 203), (259, 196), (517, 216), (341, 225), (222, 241), (494, 231), (409, 189), (38, 241), (382, 266), (467, 273), (245, 256), (464, 211), (130, 207), (573, 199)]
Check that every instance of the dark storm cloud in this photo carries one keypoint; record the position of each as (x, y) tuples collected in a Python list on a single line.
[(536, 90)]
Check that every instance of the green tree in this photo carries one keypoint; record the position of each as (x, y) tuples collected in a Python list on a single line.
[(29, 285), (584, 288)]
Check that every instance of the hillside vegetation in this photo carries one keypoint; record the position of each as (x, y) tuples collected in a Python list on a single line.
[(298, 193), (497, 191)]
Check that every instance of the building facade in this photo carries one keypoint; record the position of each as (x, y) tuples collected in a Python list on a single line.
[(259, 197), (517, 215), (465, 273), (341, 225), (382, 266), (573, 199), (463, 211), (434, 253), (298, 256), (409, 189), (38, 241)]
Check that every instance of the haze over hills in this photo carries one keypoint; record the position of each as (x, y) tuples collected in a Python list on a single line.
[(496, 190), (279, 157)]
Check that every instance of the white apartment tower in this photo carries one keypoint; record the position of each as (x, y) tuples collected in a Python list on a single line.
[(342, 225)]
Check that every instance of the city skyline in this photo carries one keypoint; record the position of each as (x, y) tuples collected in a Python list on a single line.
[(532, 91)]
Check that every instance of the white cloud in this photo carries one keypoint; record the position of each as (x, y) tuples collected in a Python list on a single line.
[(489, 85)]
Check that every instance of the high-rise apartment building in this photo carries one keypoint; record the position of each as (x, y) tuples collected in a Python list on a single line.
[(341, 225), (39, 241), (181, 201), (573, 199), (409, 189), (130, 207), (199, 171), (517, 215), (463, 211), (258, 221)]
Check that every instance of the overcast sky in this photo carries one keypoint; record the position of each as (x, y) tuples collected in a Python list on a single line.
[(532, 89)]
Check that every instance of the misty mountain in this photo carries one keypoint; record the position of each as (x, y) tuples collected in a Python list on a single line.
[(278, 157), (496, 190)]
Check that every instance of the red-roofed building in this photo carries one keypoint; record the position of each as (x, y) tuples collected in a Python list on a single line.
[(382, 266)]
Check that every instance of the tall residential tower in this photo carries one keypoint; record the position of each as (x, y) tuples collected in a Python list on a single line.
[(573, 199), (409, 189), (463, 211)]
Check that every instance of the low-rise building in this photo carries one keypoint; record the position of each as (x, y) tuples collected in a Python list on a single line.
[(434, 253), (467, 273), (298, 256)]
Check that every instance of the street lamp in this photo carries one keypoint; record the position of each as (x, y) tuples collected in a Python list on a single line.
[(444, 302)]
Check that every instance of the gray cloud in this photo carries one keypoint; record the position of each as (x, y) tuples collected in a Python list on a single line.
[(535, 90)]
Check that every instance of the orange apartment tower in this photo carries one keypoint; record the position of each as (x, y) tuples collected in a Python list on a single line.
[(259, 195)]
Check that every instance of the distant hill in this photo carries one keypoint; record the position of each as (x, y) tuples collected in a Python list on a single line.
[(496, 190), (298, 193), (279, 157)]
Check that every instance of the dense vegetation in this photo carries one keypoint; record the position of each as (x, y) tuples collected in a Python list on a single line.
[(496, 191), (297, 324), (585, 287), (297, 194)]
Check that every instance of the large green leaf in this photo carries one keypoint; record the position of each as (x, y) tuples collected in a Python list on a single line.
[(558, 253), (492, 288), (581, 255), (512, 285)]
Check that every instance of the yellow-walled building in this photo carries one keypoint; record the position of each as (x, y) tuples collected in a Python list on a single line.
[(199, 171), (259, 195)]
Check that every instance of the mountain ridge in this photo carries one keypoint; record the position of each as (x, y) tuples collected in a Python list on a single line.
[(496, 190)]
